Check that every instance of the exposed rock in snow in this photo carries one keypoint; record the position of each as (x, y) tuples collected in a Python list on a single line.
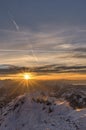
[(77, 99)]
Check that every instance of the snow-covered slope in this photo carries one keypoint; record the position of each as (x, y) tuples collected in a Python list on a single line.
[(40, 112)]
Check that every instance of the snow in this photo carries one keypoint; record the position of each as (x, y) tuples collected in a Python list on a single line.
[(38, 112)]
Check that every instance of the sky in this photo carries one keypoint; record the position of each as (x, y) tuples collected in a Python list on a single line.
[(41, 32)]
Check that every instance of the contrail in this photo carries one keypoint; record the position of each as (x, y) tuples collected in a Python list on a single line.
[(33, 53), (36, 59), (13, 21), (15, 24), (17, 28)]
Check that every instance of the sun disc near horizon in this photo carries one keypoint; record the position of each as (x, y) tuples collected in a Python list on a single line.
[(27, 76)]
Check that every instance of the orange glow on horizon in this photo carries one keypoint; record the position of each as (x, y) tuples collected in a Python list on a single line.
[(46, 76), (64, 76)]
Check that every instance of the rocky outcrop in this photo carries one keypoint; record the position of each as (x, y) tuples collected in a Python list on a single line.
[(77, 99)]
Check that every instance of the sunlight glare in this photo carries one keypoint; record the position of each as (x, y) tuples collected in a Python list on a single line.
[(27, 76)]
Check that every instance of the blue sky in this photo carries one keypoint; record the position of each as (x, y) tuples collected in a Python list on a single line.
[(32, 13), (38, 32)]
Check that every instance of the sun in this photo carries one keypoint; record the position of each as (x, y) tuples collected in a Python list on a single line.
[(27, 76)]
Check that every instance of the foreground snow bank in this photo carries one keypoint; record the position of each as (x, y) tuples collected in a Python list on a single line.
[(40, 112)]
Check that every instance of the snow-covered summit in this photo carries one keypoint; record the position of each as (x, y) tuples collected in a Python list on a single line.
[(41, 112)]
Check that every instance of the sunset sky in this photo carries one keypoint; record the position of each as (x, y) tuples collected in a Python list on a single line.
[(41, 32)]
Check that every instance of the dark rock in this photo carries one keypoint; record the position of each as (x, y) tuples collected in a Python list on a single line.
[(77, 100), (50, 110)]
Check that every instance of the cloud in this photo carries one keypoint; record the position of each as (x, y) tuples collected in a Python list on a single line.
[(80, 49), (62, 69), (53, 68), (46, 46)]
